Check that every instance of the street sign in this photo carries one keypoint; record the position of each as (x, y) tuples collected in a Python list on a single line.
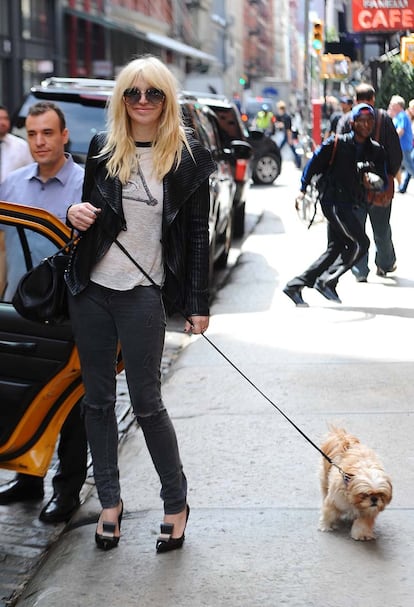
[(382, 15)]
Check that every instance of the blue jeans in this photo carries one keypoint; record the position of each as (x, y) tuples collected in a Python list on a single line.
[(293, 148), (381, 229), (103, 318), (408, 161)]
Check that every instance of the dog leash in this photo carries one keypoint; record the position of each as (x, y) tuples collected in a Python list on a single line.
[(346, 477)]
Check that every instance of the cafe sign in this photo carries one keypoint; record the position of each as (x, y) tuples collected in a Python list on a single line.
[(382, 15)]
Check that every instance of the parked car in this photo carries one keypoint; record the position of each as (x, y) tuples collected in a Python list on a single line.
[(267, 159), (205, 127), (235, 137), (83, 102), (265, 164)]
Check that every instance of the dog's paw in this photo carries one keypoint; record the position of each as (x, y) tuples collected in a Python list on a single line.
[(324, 526), (361, 532)]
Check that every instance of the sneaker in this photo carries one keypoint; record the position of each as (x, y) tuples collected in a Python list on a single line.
[(295, 294), (381, 272), (327, 291), (361, 278)]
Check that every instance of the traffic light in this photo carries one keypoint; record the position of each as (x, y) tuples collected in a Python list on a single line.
[(243, 81), (317, 38)]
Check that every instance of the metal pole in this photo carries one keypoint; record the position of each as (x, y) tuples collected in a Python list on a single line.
[(306, 71)]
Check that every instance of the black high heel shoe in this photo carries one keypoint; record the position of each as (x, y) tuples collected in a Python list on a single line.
[(108, 540), (166, 543)]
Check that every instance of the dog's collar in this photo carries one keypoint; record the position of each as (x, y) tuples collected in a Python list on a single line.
[(346, 476)]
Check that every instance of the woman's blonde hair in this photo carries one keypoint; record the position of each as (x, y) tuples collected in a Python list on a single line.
[(170, 137)]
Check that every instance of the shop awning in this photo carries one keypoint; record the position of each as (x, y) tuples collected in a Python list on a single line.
[(180, 47), (157, 39)]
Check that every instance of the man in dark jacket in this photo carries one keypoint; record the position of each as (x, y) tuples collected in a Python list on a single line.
[(379, 216), (351, 164)]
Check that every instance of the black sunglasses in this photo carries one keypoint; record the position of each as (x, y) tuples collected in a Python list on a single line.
[(153, 96)]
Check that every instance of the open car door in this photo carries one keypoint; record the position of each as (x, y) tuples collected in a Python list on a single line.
[(40, 379)]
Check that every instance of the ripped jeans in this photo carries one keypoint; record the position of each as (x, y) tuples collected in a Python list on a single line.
[(101, 319)]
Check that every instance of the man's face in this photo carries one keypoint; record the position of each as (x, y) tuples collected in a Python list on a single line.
[(394, 109), (46, 139), (346, 107), (4, 123), (363, 125)]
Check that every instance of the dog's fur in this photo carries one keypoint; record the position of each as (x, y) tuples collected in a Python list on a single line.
[(359, 499)]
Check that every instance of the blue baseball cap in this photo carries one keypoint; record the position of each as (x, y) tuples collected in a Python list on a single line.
[(362, 109)]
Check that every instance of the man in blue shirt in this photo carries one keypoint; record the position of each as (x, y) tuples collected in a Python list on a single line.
[(52, 182), (402, 123)]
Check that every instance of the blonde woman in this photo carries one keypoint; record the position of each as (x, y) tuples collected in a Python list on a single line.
[(146, 184)]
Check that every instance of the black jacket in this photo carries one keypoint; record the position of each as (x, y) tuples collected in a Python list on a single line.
[(185, 238), (387, 137), (344, 184)]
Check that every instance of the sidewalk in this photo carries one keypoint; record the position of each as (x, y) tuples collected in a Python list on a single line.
[(25, 540), (252, 535)]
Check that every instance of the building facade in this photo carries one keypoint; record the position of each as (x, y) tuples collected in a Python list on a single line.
[(210, 45)]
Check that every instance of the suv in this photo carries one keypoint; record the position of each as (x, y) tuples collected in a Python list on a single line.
[(266, 161), (83, 102), (235, 137)]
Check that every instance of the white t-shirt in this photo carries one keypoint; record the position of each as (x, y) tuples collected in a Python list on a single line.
[(142, 200)]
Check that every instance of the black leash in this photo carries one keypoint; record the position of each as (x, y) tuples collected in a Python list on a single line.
[(345, 476)]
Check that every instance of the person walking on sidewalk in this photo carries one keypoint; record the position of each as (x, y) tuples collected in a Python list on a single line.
[(410, 112), (147, 184), (284, 124), (379, 216), (351, 164), (52, 182)]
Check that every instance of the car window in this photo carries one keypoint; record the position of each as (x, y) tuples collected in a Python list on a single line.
[(20, 249), (208, 127), (194, 118), (84, 118)]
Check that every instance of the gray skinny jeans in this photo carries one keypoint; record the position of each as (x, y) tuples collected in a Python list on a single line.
[(102, 318)]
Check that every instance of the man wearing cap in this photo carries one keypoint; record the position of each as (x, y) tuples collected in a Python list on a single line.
[(385, 133), (352, 164)]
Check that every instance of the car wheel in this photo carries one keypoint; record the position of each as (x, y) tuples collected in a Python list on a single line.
[(267, 170)]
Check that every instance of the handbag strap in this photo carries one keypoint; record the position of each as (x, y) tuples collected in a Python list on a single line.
[(136, 264), (378, 125), (66, 247)]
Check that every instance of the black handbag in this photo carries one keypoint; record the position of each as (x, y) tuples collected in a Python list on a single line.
[(41, 294)]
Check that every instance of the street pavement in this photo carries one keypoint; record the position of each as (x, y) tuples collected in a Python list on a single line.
[(252, 537)]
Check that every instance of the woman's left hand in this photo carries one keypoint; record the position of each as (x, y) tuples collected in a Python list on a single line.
[(199, 325)]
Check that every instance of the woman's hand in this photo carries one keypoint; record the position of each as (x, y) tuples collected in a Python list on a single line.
[(198, 325), (83, 215)]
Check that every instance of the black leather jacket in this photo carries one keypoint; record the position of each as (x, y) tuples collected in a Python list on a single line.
[(387, 137), (185, 238)]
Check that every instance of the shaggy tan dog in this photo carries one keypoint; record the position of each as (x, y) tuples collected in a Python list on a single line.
[(358, 495)]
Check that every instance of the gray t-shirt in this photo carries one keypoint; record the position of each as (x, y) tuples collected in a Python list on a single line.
[(142, 200)]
